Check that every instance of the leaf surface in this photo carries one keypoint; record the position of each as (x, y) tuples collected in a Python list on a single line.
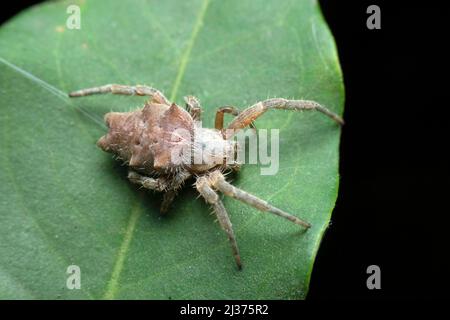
[(65, 202)]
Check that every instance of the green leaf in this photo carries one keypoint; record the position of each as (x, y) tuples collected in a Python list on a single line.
[(65, 202)]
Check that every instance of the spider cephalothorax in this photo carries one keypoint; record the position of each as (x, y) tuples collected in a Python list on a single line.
[(164, 145)]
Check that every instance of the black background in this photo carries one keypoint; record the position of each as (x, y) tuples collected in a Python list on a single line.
[(393, 167), (394, 164)]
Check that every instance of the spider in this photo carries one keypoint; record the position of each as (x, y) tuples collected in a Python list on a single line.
[(144, 140)]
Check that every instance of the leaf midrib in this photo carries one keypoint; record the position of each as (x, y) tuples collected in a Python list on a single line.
[(185, 57)]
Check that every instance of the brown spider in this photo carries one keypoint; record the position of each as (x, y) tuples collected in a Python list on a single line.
[(144, 140)]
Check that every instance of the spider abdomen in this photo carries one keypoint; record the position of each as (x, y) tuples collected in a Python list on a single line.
[(143, 138)]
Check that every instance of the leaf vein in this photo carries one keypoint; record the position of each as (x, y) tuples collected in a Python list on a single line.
[(113, 283), (185, 57)]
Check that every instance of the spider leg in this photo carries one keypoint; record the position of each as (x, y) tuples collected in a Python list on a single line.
[(217, 180), (169, 187), (218, 123), (155, 185), (168, 198), (252, 113), (205, 190), (175, 183), (138, 90), (147, 182), (193, 107)]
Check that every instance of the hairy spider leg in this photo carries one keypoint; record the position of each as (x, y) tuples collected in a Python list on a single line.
[(211, 197), (218, 123), (158, 184), (138, 90), (250, 114), (217, 180), (169, 187), (168, 198), (193, 107)]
